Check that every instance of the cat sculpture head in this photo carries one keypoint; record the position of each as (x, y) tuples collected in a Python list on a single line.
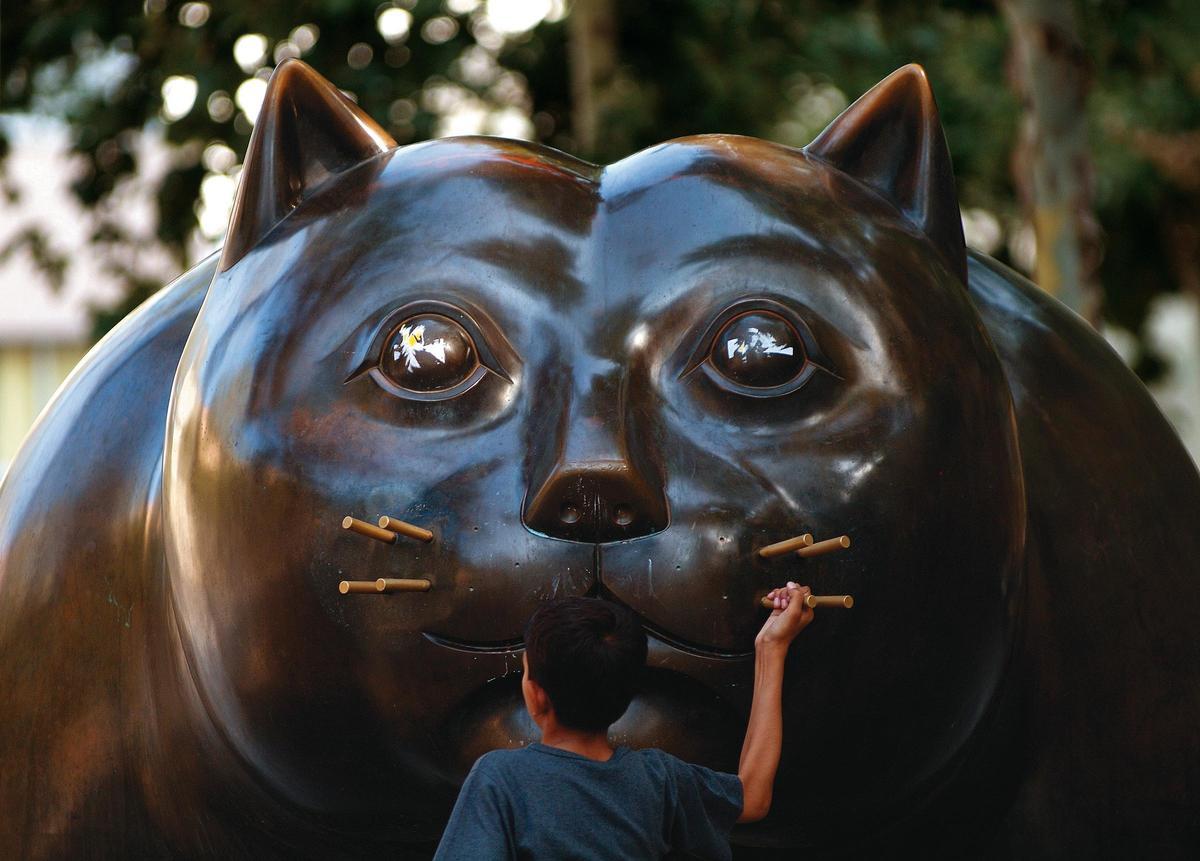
[(617, 381)]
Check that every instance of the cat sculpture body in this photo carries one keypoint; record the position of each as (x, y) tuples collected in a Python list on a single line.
[(622, 382)]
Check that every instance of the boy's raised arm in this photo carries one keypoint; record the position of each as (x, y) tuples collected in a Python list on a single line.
[(764, 731)]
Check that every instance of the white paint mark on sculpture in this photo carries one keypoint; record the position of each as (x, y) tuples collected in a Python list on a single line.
[(759, 342), (412, 342)]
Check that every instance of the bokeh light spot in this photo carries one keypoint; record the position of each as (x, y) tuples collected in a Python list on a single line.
[(178, 97), (250, 50), (517, 16), (194, 14), (359, 56), (393, 24), (249, 97), (439, 30)]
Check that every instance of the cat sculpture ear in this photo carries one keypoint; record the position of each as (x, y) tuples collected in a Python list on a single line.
[(892, 140), (306, 132)]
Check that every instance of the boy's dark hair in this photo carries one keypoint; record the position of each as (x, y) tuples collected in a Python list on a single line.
[(588, 655)]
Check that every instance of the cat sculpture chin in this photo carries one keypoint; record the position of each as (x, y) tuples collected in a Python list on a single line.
[(623, 382)]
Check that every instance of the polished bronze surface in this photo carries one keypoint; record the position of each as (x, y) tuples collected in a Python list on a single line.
[(179, 682), (407, 529)]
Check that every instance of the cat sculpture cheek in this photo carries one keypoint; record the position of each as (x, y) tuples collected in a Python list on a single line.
[(620, 382)]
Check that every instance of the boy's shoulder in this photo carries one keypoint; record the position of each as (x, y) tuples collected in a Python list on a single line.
[(537, 755), (514, 764), (501, 761), (659, 760)]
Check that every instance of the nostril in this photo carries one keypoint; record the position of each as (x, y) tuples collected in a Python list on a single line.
[(595, 503)]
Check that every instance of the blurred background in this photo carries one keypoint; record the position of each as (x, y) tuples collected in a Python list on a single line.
[(1074, 127)]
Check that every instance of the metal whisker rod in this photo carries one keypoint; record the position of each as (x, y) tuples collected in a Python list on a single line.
[(782, 547), (390, 584), (829, 545), (383, 584), (368, 529), (814, 601), (357, 587), (407, 529)]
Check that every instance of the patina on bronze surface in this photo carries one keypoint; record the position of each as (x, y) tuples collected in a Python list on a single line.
[(626, 381)]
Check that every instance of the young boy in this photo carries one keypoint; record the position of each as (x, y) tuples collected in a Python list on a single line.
[(572, 796)]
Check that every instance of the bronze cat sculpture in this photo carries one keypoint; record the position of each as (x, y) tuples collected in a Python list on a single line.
[(617, 381)]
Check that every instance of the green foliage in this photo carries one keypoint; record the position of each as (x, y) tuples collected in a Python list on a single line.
[(778, 69), (53, 51)]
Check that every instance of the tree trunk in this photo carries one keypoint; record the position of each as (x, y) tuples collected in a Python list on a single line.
[(1052, 163), (592, 51)]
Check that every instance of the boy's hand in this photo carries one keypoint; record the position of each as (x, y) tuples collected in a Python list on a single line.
[(788, 619)]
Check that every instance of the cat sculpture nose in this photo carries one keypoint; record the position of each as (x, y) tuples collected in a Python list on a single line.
[(594, 474), (596, 502)]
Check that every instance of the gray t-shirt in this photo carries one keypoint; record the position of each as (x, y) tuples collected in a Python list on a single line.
[(543, 803)]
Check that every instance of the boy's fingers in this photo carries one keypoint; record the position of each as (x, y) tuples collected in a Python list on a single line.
[(783, 597)]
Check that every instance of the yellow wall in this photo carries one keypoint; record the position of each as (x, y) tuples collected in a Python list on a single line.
[(29, 375)]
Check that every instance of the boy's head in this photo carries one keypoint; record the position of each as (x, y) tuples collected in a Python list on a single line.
[(587, 655)]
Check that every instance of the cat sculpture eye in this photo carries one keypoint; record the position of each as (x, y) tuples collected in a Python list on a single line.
[(428, 353), (760, 350), (432, 351)]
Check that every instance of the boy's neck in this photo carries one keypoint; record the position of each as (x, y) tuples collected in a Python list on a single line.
[(593, 745)]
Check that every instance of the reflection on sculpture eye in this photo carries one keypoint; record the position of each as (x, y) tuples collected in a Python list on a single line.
[(760, 350), (428, 353)]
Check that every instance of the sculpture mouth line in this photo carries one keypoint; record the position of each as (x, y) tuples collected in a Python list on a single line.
[(693, 648), (515, 645), (685, 646), (492, 647)]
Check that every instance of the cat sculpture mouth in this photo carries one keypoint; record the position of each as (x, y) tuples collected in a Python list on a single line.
[(517, 644)]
